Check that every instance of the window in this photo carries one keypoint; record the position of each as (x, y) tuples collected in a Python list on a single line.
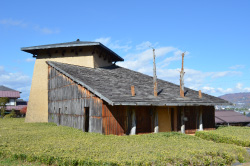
[(11, 102)]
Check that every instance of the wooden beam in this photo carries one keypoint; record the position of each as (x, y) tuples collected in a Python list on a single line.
[(155, 77), (200, 94), (156, 125), (182, 77), (200, 120), (133, 90), (182, 121), (133, 126)]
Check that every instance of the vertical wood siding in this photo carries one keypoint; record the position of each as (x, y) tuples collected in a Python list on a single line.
[(68, 100)]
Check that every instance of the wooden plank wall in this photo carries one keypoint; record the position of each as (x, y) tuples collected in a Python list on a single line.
[(114, 119), (67, 103), (208, 113), (192, 113), (117, 119)]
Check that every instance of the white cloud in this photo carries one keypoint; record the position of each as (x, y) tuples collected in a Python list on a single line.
[(143, 45), (224, 73), (247, 89), (30, 60), (11, 22), (208, 89), (221, 91), (22, 24), (225, 91), (45, 30), (239, 86), (237, 67), (104, 41), (15, 80), (113, 44)]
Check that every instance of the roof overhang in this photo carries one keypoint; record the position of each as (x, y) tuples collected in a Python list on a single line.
[(77, 44)]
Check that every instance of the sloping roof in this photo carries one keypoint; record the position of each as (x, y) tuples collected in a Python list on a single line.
[(4, 88), (74, 44), (230, 117), (8, 92), (113, 84)]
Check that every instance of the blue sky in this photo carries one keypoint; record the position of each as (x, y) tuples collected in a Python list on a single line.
[(214, 34)]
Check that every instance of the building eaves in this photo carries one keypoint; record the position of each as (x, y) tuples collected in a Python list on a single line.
[(34, 49)]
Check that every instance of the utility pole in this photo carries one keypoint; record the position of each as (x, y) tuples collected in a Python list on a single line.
[(154, 72), (182, 77)]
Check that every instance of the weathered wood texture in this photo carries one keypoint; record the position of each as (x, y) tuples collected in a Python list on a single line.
[(117, 120), (67, 103), (208, 114)]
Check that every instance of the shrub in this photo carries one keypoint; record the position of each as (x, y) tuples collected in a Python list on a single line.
[(59, 145), (12, 114), (23, 110), (230, 135), (2, 112)]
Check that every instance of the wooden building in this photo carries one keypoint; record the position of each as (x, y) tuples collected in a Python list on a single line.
[(110, 99)]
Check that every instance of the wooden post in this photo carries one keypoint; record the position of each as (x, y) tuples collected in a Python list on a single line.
[(156, 126), (175, 120), (200, 94), (182, 77), (132, 90), (182, 121), (200, 120), (133, 127), (155, 77)]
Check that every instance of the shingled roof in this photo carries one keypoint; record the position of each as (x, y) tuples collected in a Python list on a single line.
[(225, 117), (4, 88), (74, 44), (8, 92), (113, 84)]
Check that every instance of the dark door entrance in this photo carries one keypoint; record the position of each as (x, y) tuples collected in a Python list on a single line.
[(59, 116), (86, 117), (143, 121)]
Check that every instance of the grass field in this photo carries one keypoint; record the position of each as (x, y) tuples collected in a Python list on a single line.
[(51, 144), (14, 162), (231, 135)]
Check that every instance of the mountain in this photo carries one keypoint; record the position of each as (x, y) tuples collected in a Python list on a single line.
[(240, 99)]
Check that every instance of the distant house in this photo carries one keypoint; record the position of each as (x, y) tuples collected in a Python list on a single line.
[(77, 84), (231, 118), (14, 102)]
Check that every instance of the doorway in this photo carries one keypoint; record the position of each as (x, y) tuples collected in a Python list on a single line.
[(86, 117)]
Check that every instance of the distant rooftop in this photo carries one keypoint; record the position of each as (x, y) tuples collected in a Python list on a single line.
[(4, 88), (8, 92), (74, 44), (225, 117)]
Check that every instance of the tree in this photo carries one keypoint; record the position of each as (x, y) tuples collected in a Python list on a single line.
[(23, 111), (3, 102)]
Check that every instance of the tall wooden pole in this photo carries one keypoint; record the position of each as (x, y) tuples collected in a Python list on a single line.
[(182, 77), (155, 77)]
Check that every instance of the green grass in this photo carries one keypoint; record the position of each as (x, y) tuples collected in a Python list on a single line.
[(60, 145), (14, 162), (231, 135)]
